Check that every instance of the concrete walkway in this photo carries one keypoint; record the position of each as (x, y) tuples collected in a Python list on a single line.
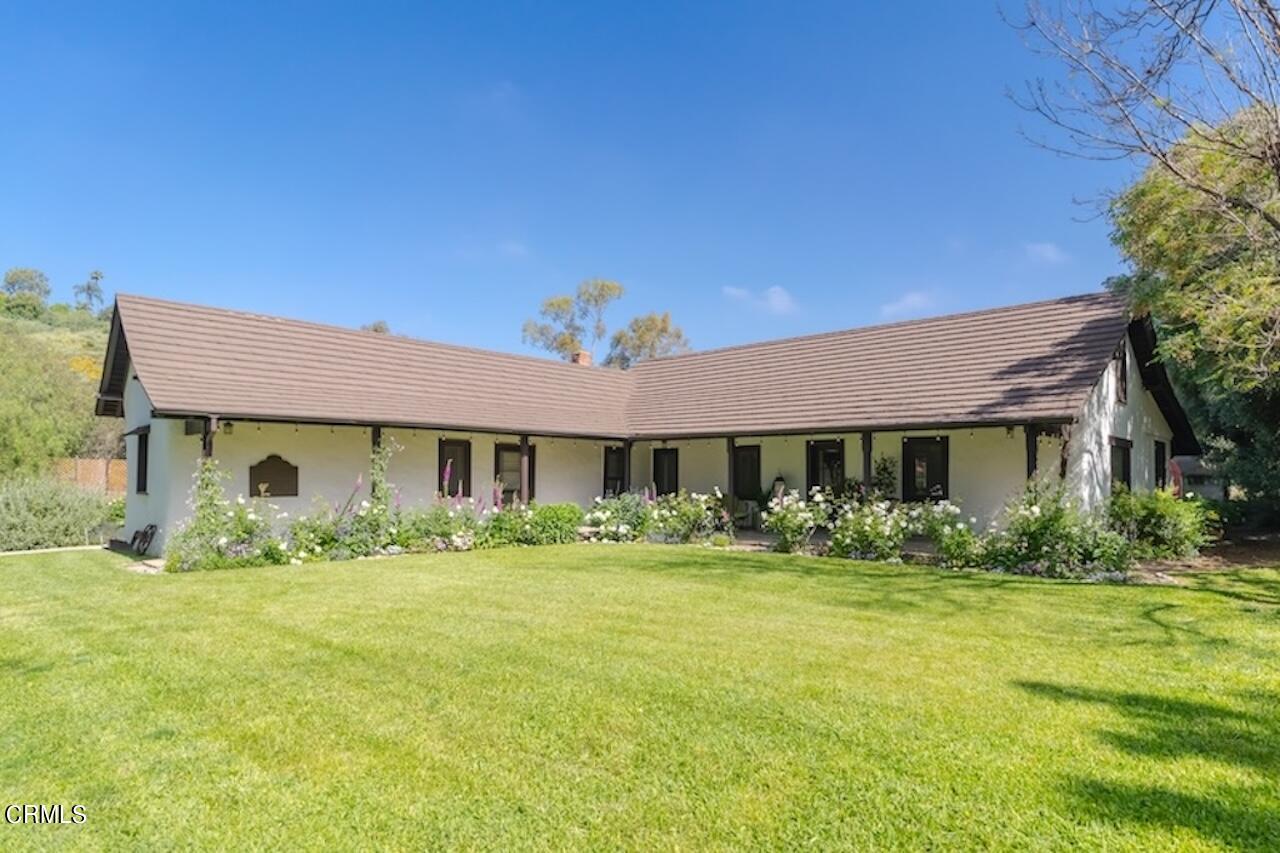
[(52, 550)]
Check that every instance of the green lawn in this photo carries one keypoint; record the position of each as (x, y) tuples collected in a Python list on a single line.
[(640, 697)]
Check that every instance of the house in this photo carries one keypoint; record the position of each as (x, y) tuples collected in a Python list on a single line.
[(965, 407)]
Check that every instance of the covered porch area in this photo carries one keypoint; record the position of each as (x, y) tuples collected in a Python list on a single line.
[(980, 467)]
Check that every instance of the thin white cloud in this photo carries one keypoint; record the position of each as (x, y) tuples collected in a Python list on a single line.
[(773, 300), (1046, 253), (910, 304)]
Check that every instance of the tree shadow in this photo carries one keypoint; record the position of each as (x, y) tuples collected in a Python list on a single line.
[(1066, 366), (1249, 586), (1165, 729)]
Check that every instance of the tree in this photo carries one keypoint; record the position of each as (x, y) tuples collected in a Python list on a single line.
[(1216, 295), (1190, 89), (29, 281), (647, 336), (573, 323), (378, 326), (89, 295)]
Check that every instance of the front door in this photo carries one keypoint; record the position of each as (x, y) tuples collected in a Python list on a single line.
[(924, 469), (826, 465)]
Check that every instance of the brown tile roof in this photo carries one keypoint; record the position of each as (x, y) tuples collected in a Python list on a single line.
[(194, 360), (1028, 362)]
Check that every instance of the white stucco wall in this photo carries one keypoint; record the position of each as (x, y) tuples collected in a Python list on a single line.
[(1138, 420), (170, 462), (330, 462)]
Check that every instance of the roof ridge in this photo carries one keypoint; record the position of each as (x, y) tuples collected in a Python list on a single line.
[(874, 327), (389, 337)]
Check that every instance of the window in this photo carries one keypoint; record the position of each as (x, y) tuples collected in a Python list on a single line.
[(825, 466), (455, 467), (140, 482), (506, 469), (1121, 364), (666, 470), (746, 472), (925, 468), (615, 471), (273, 477), (1121, 451), (1162, 465)]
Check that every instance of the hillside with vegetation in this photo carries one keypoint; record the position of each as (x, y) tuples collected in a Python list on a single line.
[(52, 356)]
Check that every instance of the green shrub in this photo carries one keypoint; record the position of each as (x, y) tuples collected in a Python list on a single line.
[(1158, 524), (450, 524), (1044, 534), (792, 520), (689, 517), (954, 539), (622, 518), (221, 534), (873, 530), (46, 513), (554, 524)]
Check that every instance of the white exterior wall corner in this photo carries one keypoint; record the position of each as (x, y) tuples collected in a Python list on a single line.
[(1101, 418)]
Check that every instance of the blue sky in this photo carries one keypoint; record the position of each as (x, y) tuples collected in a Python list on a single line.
[(758, 170)]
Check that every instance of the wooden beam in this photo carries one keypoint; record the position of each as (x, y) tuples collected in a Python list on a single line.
[(524, 470), (375, 435), (731, 478), (626, 465), (206, 437), (1033, 449), (866, 461)]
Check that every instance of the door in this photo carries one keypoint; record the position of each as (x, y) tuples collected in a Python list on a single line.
[(826, 465), (615, 471), (924, 469), (506, 470), (746, 472), (666, 470), (455, 467)]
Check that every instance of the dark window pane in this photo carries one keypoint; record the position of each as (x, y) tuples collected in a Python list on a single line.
[(144, 440), (506, 468), (614, 470), (666, 466), (746, 472), (455, 461), (1120, 465)]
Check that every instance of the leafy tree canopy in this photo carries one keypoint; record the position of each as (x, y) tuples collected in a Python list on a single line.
[(573, 323), (647, 336), (29, 281), (1209, 275)]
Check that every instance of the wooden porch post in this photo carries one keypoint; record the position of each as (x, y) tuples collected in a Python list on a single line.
[(206, 437), (866, 460), (524, 470), (375, 435), (1033, 433), (626, 465), (731, 478)]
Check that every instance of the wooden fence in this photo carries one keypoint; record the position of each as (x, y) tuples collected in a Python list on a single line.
[(101, 475)]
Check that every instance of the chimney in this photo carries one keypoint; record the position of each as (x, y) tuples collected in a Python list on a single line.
[(581, 357)]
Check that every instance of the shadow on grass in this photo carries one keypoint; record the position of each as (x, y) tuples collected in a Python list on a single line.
[(1164, 730), (1257, 586)]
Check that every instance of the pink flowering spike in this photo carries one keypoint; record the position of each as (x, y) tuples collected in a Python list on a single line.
[(448, 472)]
